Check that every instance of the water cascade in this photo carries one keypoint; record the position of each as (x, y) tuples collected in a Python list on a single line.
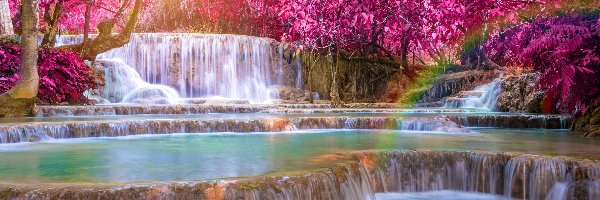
[(366, 174), (124, 84), (23, 132), (207, 65), (482, 97), (501, 174)]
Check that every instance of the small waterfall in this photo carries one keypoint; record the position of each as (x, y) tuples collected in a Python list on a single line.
[(15, 133), (541, 176), (437, 124), (593, 185), (482, 97), (207, 65), (514, 121), (124, 84), (363, 174), (527, 177)]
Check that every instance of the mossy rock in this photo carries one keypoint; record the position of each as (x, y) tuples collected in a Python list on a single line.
[(589, 122), (250, 186)]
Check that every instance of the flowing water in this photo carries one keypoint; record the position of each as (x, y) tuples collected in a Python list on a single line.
[(202, 65), (482, 97), (441, 195), (180, 157)]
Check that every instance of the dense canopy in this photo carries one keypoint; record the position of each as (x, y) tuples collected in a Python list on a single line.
[(428, 31)]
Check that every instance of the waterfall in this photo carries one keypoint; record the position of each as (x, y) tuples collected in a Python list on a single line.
[(397, 173), (206, 65), (124, 84), (366, 175), (484, 97)]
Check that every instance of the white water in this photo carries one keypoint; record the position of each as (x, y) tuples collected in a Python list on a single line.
[(203, 65), (124, 85), (482, 97), (440, 195)]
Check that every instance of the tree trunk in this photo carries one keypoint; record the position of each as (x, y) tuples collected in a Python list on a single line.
[(105, 40), (335, 96), (20, 100), (309, 67), (52, 19), (6, 26), (476, 58), (404, 54), (86, 26)]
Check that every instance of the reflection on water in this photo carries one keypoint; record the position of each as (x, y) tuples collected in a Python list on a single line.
[(221, 155)]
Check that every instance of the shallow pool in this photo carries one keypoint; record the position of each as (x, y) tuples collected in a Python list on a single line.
[(201, 156)]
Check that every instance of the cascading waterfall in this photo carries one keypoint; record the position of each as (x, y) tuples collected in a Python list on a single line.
[(124, 84), (482, 97), (15, 133), (525, 176), (205, 65), (365, 174)]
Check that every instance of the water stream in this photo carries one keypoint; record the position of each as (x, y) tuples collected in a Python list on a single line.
[(203, 65), (482, 97)]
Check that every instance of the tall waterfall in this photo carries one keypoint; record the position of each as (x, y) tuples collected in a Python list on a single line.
[(205, 65)]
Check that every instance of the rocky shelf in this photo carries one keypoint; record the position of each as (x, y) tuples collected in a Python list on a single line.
[(360, 175), (35, 131)]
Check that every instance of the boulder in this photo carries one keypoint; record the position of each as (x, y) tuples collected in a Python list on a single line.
[(519, 94), (291, 94), (588, 122)]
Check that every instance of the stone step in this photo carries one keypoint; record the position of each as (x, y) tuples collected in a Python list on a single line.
[(469, 94), (35, 131), (362, 174), (514, 121), (129, 109)]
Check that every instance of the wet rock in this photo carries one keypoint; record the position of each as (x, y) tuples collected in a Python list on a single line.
[(514, 121), (111, 73), (152, 100), (430, 104), (215, 101), (519, 94), (292, 94), (453, 83), (360, 175), (35, 138), (589, 122)]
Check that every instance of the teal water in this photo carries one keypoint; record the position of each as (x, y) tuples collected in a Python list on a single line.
[(202, 156)]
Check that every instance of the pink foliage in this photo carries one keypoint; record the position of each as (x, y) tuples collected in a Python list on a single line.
[(63, 75), (355, 25), (73, 17), (565, 49)]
